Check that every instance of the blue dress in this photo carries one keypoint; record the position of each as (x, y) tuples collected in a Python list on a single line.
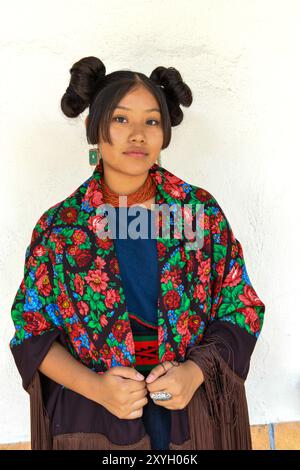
[(138, 261)]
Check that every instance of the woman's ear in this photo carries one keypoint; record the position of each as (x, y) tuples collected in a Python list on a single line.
[(86, 120)]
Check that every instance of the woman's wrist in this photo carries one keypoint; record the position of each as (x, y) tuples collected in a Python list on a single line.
[(195, 370), (93, 387)]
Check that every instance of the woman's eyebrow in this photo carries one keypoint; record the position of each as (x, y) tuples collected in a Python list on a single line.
[(147, 110)]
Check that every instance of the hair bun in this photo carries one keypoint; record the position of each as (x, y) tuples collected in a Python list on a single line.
[(177, 92), (86, 77)]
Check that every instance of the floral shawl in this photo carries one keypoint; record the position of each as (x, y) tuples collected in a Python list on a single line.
[(207, 310)]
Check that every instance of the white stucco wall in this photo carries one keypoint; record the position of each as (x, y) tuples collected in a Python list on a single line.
[(238, 140)]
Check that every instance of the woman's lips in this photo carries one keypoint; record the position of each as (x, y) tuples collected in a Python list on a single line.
[(136, 154)]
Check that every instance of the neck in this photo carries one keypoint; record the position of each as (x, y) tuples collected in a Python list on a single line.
[(121, 183)]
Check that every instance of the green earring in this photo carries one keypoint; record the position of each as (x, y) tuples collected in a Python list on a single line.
[(94, 156), (159, 160)]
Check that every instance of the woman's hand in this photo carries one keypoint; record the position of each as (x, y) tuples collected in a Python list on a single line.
[(121, 392), (181, 380)]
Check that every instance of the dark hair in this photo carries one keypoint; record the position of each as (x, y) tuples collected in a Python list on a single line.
[(89, 86)]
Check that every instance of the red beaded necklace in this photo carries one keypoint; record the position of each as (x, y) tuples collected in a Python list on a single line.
[(143, 193)]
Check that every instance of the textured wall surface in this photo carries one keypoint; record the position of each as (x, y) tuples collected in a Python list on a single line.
[(237, 140)]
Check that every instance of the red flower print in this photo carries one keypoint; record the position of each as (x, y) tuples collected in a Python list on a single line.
[(199, 292), (182, 323), (31, 262), (52, 256), (93, 195), (72, 249), (206, 222), (104, 243), (100, 262), (199, 255), (252, 319), (175, 191), (35, 323), (83, 257), (39, 250), (156, 176), (129, 342), (202, 195), (207, 245), (220, 267), (172, 300), (75, 331), (234, 277), (187, 216), (168, 355), (103, 320), (42, 280), (183, 254), (161, 250), (78, 237), (94, 353), (83, 308), (85, 354), (97, 280), (22, 286), (173, 275), (117, 353), (185, 340), (105, 352), (249, 296), (59, 241), (97, 199), (194, 323), (111, 296), (43, 220), (65, 305), (215, 223), (78, 284), (68, 215), (223, 238), (234, 251), (204, 271), (114, 266), (97, 223), (119, 329), (160, 333)]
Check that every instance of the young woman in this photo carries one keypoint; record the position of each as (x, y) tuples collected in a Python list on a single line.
[(97, 311)]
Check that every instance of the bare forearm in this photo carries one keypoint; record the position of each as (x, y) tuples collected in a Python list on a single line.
[(60, 366)]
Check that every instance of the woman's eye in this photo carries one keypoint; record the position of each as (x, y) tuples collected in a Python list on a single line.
[(154, 120), (122, 117), (118, 117)]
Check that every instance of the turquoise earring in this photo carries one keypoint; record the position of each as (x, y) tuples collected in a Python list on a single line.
[(159, 160), (94, 156)]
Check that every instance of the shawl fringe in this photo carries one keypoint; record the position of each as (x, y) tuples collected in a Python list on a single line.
[(218, 411), (95, 441), (41, 438)]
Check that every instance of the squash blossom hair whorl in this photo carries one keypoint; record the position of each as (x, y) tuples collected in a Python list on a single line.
[(89, 86)]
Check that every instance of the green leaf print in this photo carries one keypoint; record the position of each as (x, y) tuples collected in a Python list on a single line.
[(226, 308), (240, 319), (185, 303), (219, 252)]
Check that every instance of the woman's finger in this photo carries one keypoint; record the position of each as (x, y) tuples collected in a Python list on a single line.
[(158, 371)]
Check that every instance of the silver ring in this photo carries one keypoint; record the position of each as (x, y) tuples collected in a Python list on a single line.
[(163, 396)]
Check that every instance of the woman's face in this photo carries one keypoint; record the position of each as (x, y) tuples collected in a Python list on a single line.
[(138, 127)]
